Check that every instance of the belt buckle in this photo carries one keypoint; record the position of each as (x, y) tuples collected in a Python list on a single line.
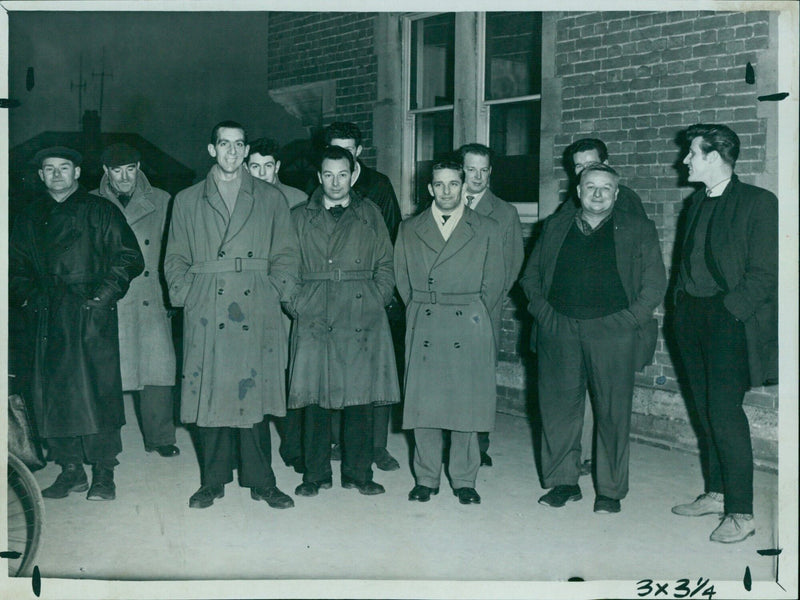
[(237, 264), (433, 297), (337, 274)]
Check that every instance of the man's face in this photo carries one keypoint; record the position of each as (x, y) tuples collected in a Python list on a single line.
[(349, 145), (476, 172), (697, 161), (122, 179), (597, 192), (445, 187), (59, 174), (229, 149), (336, 178), (581, 159), (263, 167)]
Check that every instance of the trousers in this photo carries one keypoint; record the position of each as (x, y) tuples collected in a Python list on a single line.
[(157, 410), (100, 449), (217, 448), (465, 457), (357, 433)]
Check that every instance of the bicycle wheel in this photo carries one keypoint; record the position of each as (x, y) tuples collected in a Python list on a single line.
[(25, 517)]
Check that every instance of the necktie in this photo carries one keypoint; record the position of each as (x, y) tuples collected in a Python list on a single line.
[(444, 218), (469, 201), (124, 199), (336, 211)]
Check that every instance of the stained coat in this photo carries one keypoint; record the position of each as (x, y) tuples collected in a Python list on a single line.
[(147, 354), (230, 272), (342, 353), (450, 348), (61, 257)]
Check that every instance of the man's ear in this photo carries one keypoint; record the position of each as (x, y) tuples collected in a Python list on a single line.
[(430, 190), (319, 176), (77, 172), (41, 174), (105, 169), (212, 151), (277, 166), (359, 148)]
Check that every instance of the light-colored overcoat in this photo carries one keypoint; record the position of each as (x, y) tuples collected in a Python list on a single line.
[(450, 289), (146, 351), (230, 273), (342, 353)]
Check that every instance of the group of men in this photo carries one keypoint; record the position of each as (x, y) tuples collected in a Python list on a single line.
[(293, 309)]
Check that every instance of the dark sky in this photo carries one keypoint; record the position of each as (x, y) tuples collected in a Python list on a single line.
[(173, 76)]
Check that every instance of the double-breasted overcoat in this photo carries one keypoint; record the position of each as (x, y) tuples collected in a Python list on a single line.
[(230, 273), (450, 289), (146, 351), (63, 256), (342, 353)]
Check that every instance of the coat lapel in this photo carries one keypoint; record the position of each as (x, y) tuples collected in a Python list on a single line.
[(486, 205), (461, 235), (429, 233), (244, 206)]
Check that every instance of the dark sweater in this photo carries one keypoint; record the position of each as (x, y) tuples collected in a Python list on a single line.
[(586, 283)]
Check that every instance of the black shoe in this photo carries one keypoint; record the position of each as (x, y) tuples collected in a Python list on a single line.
[(272, 496), (560, 495), (486, 460), (71, 479), (421, 493), (467, 495), (385, 461), (205, 496), (103, 487), (296, 464), (368, 488), (585, 467), (312, 488), (336, 452), (604, 504), (166, 451)]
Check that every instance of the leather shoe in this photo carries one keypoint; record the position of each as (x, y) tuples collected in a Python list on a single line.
[(71, 479), (467, 495), (103, 487), (312, 488), (205, 496), (272, 496), (385, 461), (710, 503), (734, 527), (166, 451), (604, 504), (368, 488), (421, 493), (560, 495), (486, 460)]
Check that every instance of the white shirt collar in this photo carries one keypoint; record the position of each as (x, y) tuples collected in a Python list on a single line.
[(328, 204), (447, 227), (475, 197), (717, 189)]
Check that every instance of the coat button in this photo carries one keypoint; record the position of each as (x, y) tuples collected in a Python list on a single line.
[(146, 303), (457, 345), (220, 291), (426, 343), (430, 279), (250, 255), (221, 254), (222, 325), (358, 261), (147, 273), (330, 328), (358, 329), (147, 242), (247, 292), (358, 295), (245, 327)]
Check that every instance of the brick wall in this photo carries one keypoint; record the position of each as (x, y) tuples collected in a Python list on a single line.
[(320, 46)]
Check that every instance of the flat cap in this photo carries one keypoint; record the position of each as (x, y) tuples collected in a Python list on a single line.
[(57, 152), (120, 154)]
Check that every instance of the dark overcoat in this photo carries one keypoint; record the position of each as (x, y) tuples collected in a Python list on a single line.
[(639, 264), (450, 289), (61, 257), (230, 272), (147, 354), (742, 255), (341, 351)]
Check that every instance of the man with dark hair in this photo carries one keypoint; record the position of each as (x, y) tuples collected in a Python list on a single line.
[(593, 280), (71, 257), (477, 162), (450, 274), (147, 355), (264, 162), (726, 320), (376, 186), (232, 258), (341, 354)]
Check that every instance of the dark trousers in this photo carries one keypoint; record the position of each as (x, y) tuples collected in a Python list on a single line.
[(713, 352), (290, 428), (380, 426), (156, 409), (100, 449), (357, 432), (219, 455), (572, 352)]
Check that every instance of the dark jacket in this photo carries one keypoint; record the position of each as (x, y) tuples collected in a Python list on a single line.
[(376, 186), (639, 263), (61, 257), (742, 255), (341, 350)]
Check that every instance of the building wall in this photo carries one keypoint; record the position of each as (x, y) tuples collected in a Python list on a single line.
[(634, 80)]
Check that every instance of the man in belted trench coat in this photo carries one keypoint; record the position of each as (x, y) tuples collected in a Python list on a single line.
[(147, 355), (232, 257), (450, 274), (71, 257)]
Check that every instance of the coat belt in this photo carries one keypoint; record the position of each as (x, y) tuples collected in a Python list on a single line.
[(424, 297), (231, 265), (337, 275)]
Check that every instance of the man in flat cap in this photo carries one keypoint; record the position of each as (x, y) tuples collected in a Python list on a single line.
[(147, 356), (71, 257)]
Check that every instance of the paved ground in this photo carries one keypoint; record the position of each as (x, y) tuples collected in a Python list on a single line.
[(150, 533)]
